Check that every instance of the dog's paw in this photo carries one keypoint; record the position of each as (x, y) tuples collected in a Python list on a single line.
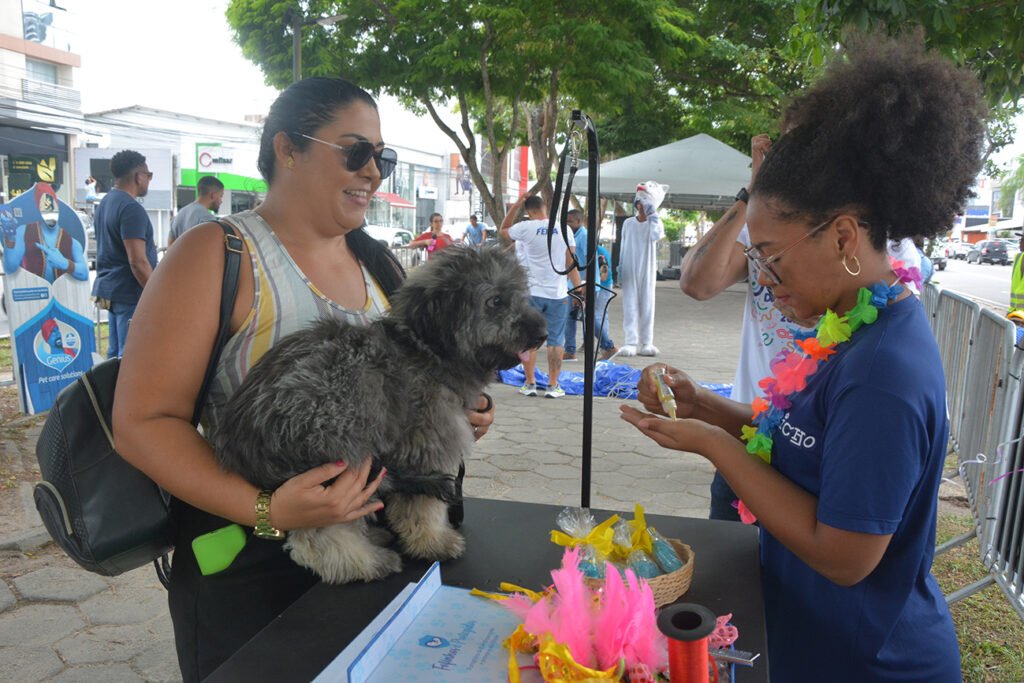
[(342, 553), (445, 544)]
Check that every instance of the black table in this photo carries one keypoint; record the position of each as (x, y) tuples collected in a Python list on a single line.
[(505, 542)]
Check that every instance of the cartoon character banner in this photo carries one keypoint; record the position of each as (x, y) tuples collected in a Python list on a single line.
[(47, 295)]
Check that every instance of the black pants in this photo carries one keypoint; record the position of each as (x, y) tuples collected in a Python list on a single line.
[(216, 615)]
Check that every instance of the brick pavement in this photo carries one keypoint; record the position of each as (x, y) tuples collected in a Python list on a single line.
[(64, 624)]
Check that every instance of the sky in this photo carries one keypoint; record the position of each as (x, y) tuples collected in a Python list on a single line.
[(176, 55), (179, 56)]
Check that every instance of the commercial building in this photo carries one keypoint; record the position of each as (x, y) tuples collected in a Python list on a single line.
[(40, 109)]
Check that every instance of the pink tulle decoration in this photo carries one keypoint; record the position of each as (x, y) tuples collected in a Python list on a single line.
[(573, 614), (621, 624)]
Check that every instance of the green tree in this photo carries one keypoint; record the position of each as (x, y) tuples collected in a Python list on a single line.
[(986, 37), (1013, 182), (512, 67)]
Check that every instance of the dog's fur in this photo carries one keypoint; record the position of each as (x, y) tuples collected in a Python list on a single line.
[(396, 390)]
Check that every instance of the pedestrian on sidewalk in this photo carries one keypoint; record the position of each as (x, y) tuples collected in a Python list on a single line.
[(845, 450), (548, 290), (210, 193), (434, 240), (638, 264), (574, 219), (125, 248)]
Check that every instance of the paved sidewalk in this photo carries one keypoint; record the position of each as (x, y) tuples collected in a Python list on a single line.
[(66, 624)]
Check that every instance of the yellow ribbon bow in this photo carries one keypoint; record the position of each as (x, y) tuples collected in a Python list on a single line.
[(600, 537)]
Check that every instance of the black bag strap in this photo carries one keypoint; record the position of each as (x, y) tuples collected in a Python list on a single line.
[(229, 289)]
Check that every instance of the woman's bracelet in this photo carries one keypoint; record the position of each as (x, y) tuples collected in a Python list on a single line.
[(263, 528)]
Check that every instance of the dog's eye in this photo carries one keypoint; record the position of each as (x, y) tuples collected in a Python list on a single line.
[(494, 301)]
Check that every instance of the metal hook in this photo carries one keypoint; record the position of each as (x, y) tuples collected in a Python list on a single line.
[(575, 143)]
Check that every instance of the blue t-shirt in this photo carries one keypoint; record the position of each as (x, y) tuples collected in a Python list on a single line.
[(580, 245), (604, 259), (867, 437), (119, 217), (476, 235)]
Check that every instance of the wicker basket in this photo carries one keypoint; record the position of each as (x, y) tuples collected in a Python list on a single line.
[(666, 587)]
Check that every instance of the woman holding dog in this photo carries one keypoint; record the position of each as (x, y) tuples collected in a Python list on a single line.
[(323, 157), (851, 431)]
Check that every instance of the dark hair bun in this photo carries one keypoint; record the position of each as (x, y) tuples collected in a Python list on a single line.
[(891, 131)]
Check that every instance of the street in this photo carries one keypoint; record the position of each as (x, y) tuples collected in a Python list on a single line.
[(988, 284)]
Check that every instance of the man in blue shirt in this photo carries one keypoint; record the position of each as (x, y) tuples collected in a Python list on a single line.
[(475, 232), (125, 248), (574, 219)]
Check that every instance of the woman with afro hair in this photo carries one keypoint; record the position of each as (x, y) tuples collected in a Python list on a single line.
[(852, 428)]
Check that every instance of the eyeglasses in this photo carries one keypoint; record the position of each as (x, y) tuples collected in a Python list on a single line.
[(761, 263), (148, 174), (359, 154)]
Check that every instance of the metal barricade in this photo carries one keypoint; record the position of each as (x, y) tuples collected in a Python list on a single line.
[(955, 319), (990, 394), (1002, 535), (410, 258), (930, 301), (984, 395)]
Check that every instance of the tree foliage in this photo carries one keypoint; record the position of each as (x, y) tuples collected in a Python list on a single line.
[(510, 66), (648, 71)]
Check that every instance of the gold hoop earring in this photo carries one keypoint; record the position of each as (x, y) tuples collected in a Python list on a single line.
[(856, 261), (290, 163)]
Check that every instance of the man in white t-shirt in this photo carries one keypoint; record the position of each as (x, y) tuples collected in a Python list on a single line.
[(716, 262), (548, 290)]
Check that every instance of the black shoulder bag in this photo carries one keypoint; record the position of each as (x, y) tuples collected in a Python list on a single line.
[(103, 512)]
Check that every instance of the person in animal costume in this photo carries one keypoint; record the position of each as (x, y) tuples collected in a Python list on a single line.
[(637, 266)]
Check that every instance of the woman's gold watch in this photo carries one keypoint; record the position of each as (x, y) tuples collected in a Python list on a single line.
[(263, 528)]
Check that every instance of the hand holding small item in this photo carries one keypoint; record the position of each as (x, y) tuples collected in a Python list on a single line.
[(689, 435), (683, 388)]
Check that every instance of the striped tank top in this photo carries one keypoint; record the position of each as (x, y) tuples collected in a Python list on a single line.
[(284, 301)]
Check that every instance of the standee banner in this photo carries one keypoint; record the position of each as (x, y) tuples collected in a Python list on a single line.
[(47, 293)]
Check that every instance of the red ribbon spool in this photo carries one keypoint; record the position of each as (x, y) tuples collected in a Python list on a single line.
[(687, 627)]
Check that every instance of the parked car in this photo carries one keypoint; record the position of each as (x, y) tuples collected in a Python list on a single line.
[(938, 260), (391, 237), (1012, 247), (396, 237), (957, 250), (989, 251)]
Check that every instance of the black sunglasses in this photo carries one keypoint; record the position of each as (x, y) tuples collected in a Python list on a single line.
[(359, 154)]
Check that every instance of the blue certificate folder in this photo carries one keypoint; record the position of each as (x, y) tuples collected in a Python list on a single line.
[(429, 632)]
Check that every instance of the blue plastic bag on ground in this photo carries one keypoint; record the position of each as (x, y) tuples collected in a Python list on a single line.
[(611, 380)]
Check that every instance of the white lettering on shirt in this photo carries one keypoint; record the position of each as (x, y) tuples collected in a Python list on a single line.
[(795, 435)]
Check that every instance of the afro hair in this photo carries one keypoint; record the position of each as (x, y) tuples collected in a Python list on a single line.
[(891, 132)]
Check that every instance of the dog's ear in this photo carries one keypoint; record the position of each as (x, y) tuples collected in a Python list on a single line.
[(430, 309)]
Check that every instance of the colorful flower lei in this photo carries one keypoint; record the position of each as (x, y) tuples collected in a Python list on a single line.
[(792, 368)]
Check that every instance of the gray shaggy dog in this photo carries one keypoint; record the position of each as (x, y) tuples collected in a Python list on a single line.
[(397, 391)]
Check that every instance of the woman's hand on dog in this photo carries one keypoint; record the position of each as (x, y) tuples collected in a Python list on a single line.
[(303, 502), (481, 417)]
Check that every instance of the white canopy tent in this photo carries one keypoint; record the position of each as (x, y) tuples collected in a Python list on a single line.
[(701, 173)]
